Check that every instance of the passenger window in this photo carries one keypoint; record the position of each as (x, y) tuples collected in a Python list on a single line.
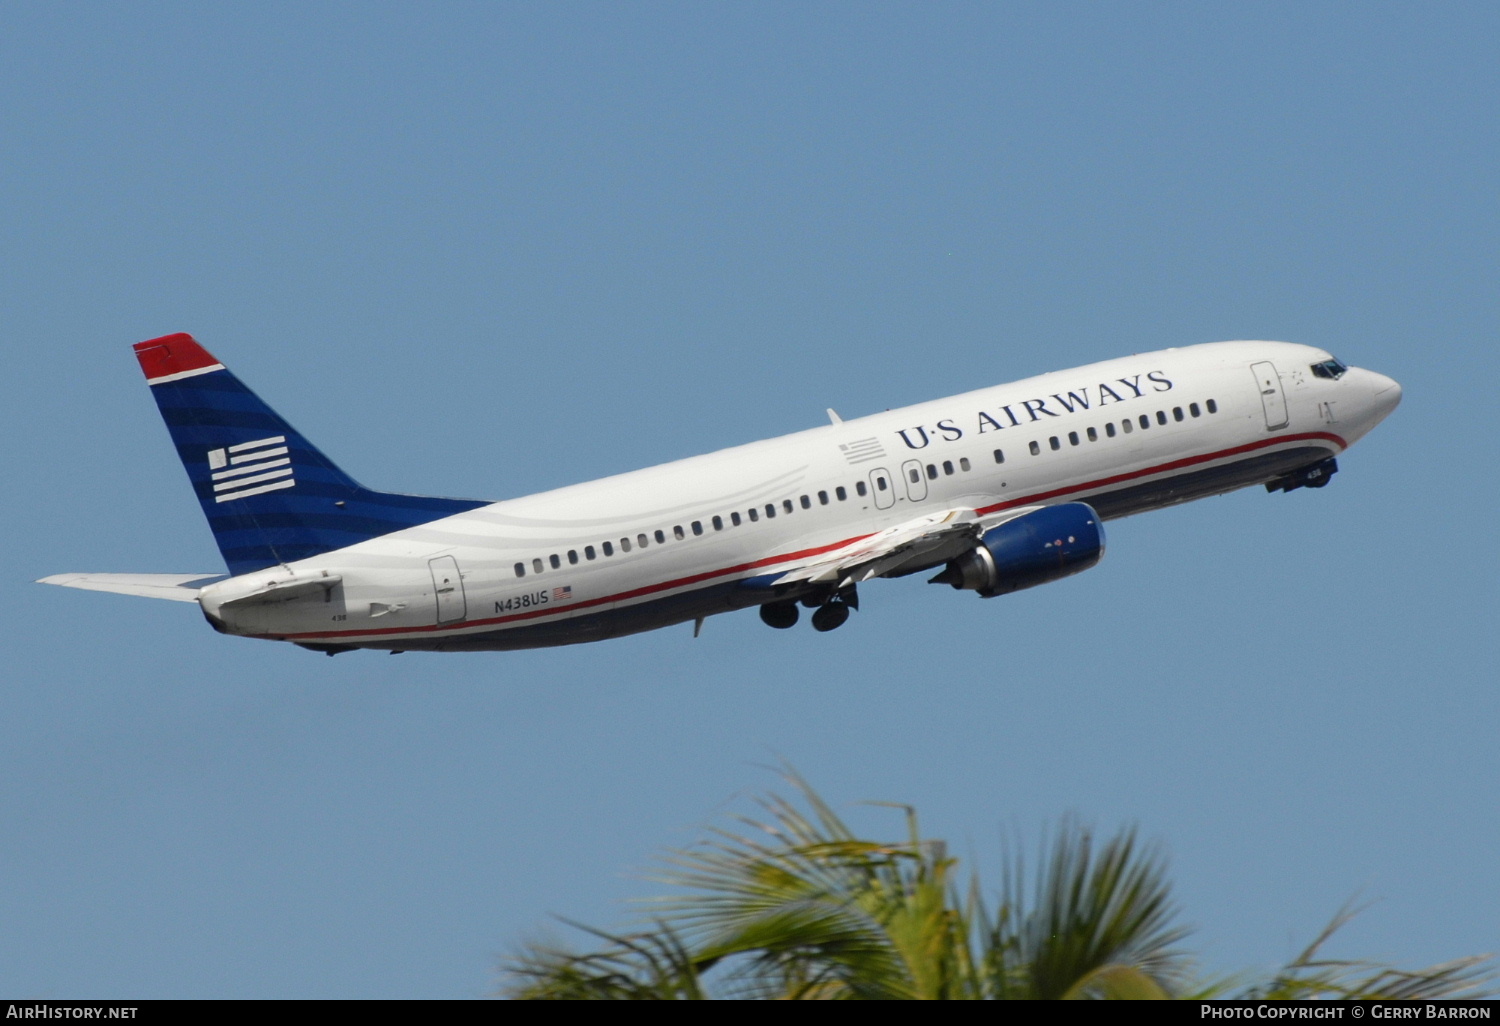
[(624, 544), (860, 489), (880, 483), (1109, 429), (947, 467), (1193, 409), (609, 549), (520, 569), (770, 511), (786, 504), (678, 532), (661, 538), (554, 561), (754, 516), (1055, 443), (1093, 435), (536, 565), (734, 519), (718, 523), (1145, 421), (1000, 455), (572, 555), (932, 472), (1072, 437), (915, 474), (589, 553), (640, 540), (840, 494), (806, 502), (822, 498), (697, 527), (1161, 416), (1036, 449), (963, 461), (1177, 413), (1129, 427), (1212, 406)]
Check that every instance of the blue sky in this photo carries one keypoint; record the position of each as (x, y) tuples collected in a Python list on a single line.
[(483, 250)]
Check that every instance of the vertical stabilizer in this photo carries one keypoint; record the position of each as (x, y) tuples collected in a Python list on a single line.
[(269, 495)]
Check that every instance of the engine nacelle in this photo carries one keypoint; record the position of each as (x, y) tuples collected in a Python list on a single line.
[(1037, 547)]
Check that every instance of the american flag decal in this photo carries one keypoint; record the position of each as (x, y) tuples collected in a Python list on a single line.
[(565, 592), (251, 468), (863, 450)]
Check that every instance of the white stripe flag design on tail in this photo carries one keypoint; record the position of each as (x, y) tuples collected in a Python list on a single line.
[(251, 468)]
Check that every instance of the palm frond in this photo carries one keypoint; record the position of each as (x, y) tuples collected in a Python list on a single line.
[(646, 966), (792, 904), (1093, 916), (1310, 976)]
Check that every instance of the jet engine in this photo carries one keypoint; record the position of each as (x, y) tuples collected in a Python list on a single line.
[(1044, 545)]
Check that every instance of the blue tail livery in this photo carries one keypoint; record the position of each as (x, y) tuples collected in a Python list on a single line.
[(269, 495)]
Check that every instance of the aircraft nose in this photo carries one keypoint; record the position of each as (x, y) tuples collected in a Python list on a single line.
[(1385, 393)]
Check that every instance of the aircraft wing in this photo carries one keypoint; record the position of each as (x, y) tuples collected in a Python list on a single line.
[(174, 587), (914, 544)]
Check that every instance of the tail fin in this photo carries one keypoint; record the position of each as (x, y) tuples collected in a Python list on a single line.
[(269, 495)]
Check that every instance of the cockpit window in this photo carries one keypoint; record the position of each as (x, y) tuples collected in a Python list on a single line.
[(1332, 369)]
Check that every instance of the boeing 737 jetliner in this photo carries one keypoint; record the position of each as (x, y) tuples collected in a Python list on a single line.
[(996, 490)]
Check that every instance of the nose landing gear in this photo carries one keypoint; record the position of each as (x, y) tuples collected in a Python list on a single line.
[(1315, 476)]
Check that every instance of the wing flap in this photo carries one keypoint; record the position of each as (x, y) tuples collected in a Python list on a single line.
[(886, 551), (173, 587), (903, 548)]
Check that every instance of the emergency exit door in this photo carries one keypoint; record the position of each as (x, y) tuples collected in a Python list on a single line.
[(916, 482)]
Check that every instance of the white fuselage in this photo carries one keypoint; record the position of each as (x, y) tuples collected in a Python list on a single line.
[(690, 538)]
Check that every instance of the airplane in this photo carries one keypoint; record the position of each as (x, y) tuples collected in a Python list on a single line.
[(997, 490)]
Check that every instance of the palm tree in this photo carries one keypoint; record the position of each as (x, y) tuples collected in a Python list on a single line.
[(795, 905)]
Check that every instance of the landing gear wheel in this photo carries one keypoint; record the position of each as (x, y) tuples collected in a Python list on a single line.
[(780, 615), (830, 616)]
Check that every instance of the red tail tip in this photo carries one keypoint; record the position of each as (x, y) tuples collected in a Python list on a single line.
[(171, 355)]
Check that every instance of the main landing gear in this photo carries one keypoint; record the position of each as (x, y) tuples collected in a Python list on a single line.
[(831, 609), (780, 615), (830, 615)]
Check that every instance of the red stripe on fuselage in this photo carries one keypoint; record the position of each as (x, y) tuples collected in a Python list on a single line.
[(682, 582), (1163, 468), (649, 589)]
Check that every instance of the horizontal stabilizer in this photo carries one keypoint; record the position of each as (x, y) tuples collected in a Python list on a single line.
[(174, 587)]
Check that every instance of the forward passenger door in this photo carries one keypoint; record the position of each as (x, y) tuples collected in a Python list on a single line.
[(1271, 397)]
